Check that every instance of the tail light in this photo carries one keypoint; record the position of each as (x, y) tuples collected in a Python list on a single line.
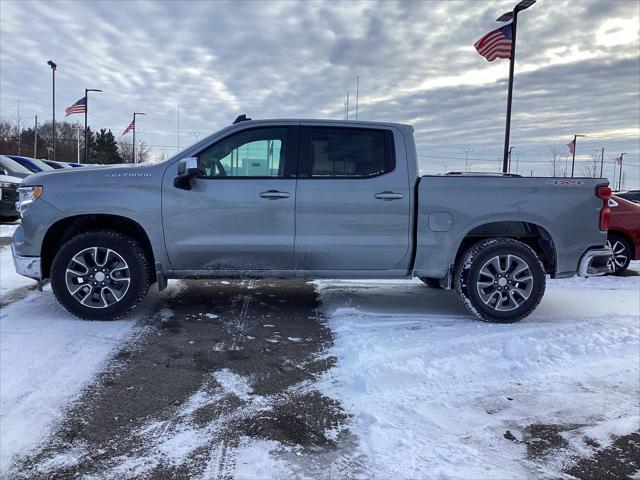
[(604, 193)]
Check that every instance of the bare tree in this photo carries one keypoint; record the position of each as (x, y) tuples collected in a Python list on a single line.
[(142, 152), (555, 159), (592, 167), (126, 151)]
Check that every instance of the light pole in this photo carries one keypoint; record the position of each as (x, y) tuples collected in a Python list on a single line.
[(512, 15), (620, 177), (86, 114), (134, 134), (53, 66), (573, 160), (466, 158)]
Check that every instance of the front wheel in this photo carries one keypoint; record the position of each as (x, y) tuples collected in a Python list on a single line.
[(100, 275), (500, 280)]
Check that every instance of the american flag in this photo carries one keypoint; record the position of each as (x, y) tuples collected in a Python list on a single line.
[(132, 126), (572, 147), (495, 44), (619, 160), (79, 107)]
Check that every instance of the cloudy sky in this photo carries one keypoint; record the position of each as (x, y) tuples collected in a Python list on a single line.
[(577, 71)]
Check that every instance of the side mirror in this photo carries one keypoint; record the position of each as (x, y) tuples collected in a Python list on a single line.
[(187, 169)]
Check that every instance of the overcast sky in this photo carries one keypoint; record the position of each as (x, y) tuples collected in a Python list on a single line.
[(577, 71)]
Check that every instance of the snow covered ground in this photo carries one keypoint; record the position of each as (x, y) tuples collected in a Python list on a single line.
[(433, 392), (46, 358)]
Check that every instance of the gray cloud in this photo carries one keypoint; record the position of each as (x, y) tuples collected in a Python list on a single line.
[(577, 69)]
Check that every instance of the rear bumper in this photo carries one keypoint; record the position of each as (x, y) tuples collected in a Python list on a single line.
[(27, 266), (595, 261)]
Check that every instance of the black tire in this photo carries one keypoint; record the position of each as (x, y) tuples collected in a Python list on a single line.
[(621, 252), (431, 282), (137, 268), (518, 288)]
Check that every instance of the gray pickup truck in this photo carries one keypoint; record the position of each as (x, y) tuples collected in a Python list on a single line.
[(310, 199)]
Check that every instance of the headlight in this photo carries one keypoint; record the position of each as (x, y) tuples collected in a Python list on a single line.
[(27, 195)]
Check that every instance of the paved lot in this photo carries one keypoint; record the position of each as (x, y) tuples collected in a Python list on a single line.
[(225, 372), (187, 371)]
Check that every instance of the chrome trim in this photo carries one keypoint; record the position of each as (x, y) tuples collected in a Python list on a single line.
[(602, 256), (27, 266)]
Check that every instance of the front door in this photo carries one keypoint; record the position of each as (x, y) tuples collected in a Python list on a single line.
[(239, 216)]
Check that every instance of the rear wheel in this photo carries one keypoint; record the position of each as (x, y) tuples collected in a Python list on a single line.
[(500, 280), (100, 275), (431, 282), (621, 253)]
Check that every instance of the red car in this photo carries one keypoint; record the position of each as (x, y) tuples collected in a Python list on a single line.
[(624, 232)]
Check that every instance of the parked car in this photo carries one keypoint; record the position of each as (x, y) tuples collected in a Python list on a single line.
[(56, 165), (631, 195), (624, 233), (302, 198), (32, 164), (8, 197), (12, 168)]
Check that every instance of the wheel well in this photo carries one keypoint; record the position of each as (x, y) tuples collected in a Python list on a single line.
[(627, 238), (529, 233), (69, 227)]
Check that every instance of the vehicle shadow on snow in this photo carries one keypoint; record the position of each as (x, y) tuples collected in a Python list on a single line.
[(220, 365)]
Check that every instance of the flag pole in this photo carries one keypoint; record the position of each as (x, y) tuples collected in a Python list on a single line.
[(575, 147), (507, 131), (35, 139), (601, 162), (134, 139), (620, 173), (573, 160), (86, 112)]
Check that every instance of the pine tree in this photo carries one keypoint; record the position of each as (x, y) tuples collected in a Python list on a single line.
[(107, 148)]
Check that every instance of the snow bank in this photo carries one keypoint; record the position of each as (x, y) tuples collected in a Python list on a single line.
[(433, 391), (9, 279)]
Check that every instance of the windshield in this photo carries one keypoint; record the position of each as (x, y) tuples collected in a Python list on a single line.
[(41, 164), (12, 166)]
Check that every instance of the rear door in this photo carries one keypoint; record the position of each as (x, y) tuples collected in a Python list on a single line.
[(240, 215), (353, 199)]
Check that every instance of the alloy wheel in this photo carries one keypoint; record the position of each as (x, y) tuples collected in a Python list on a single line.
[(98, 277), (620, 255), (504, 282)]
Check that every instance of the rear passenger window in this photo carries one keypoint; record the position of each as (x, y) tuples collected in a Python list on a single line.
[(349, 152)]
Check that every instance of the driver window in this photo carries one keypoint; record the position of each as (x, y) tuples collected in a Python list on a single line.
[(257, 152)]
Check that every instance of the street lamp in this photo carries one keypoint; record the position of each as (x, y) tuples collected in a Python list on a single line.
[(573, 161), (134, 134), (620, 177), (466, 158), (53, 66), (86, 113), (505, 17)]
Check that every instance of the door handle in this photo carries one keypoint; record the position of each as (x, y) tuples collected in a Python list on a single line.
[(274, 194), (388, 196)]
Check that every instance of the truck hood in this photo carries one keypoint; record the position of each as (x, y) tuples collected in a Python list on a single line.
[(10, 179), (92, 175)]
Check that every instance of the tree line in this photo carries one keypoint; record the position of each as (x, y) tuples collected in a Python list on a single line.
[(102, 146)]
